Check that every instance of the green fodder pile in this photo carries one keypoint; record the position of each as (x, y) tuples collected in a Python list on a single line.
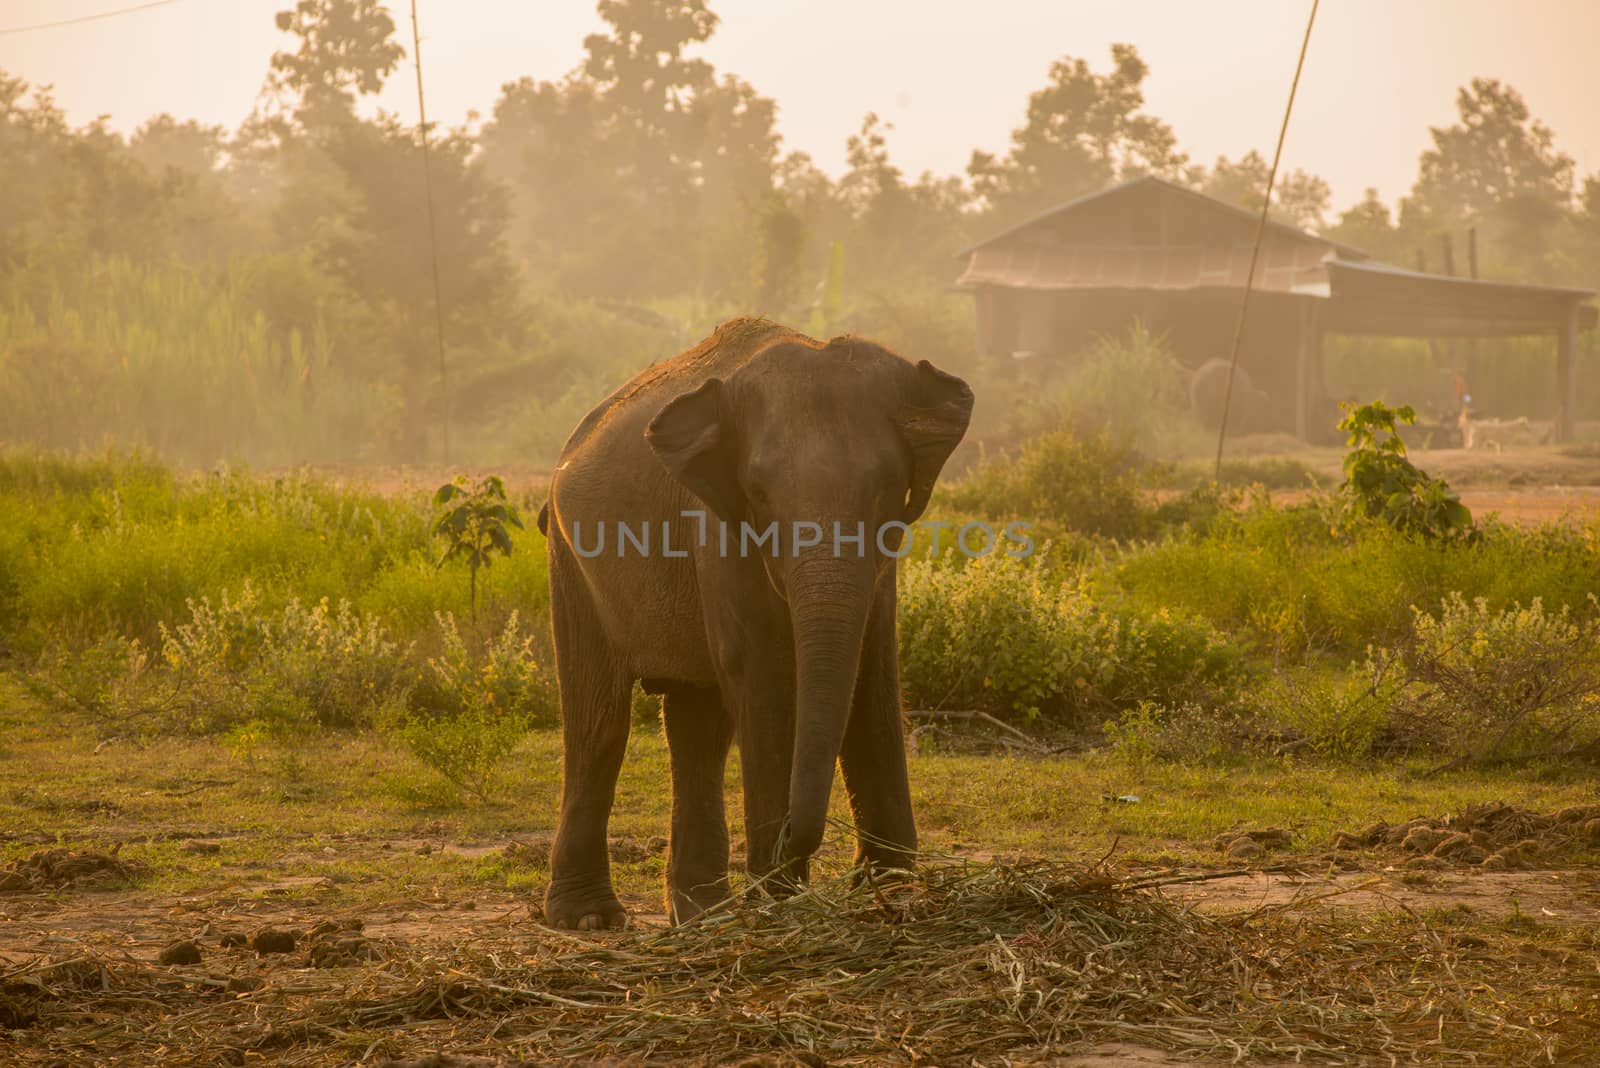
[(958, 964)]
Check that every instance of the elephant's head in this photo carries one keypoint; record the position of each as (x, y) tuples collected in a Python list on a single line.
[(849, 437)]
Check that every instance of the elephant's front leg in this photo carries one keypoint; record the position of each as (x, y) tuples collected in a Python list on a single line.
[(753, 648), (873, 756), (699, 731)]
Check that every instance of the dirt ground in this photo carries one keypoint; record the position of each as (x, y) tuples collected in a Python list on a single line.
[(139, 925), (225, 921), (360, 909), (1522, 485)]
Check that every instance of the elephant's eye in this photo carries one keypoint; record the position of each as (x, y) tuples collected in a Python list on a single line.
[(760, 507)]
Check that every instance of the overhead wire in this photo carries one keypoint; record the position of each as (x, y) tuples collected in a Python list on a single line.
[(7, 31), (433, 235), (1255, 248)]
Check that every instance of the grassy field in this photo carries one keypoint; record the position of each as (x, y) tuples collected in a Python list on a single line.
[(323, 831), (1173, 851)]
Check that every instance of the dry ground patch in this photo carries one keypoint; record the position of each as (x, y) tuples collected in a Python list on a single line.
[(417, 931)]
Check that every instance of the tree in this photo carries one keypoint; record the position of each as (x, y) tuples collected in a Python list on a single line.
[(82, 191), (346, 49), (378, 246), (163, 143), (1497, 170), (1585, 254), (1084, 131), (640, 173), (781, 236), (1369, 225), (899, 231), (1298, 198)]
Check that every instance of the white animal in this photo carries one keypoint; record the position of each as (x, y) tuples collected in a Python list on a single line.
[(1501, 434)]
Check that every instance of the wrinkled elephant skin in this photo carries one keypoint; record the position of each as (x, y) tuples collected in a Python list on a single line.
[(788, 647)]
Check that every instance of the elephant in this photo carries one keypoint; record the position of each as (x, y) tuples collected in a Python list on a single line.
[(1250, 410), (790, 648)]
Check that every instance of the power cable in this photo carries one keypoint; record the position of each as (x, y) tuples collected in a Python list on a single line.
[(433, 237), (9, 30), (1255, 249)]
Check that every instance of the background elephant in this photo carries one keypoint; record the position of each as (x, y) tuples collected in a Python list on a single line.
[(1251, 410), (791, 647)]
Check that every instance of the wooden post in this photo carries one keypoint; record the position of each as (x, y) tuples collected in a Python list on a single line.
[(1474, 365), (1567, 377), (983, 299), (1452, 346), (1433, 342), (1307, 367)]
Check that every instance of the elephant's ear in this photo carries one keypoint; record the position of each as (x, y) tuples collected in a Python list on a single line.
[(932, 419), (691, 437)]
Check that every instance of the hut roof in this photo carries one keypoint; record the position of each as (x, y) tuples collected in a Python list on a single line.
[(1151, 234)]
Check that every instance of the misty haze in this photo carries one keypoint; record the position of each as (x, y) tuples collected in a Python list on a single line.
[(1161, 446)]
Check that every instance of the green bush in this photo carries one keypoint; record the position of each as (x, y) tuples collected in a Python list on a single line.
[(118, 545), (289, 669), (1129, 386), (505, 675), (1189, 734), (1292, 579), (1271, 472), (1381, 484), (1009, 637), (87, 557), (469, 712), (1090, 484), (1337, 715), (1490, 686)]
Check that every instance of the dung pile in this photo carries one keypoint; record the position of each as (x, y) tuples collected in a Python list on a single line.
[(53, 869), (1493, 835)]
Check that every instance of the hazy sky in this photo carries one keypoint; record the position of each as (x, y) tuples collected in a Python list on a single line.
[(951, 75)]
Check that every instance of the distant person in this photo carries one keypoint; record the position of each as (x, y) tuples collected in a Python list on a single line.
[(1464, 420)]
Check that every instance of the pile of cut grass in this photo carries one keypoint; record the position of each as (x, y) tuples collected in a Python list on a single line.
[(958, 963)]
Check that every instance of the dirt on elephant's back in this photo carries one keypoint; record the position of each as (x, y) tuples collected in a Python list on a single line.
[(731, 342)]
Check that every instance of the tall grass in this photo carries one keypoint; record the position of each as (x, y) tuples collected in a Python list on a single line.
[(1129, 386), (179, 359), (1167, 613), (120, 545), (263, 360), (1286, 581)]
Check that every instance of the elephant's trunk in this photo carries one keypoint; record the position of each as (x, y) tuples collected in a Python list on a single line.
[(829, 598)]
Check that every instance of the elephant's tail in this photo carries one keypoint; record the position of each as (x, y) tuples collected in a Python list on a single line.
[(544, 519)]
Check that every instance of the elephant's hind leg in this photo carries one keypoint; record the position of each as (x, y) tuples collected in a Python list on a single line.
[(699, 730), (595, 715)]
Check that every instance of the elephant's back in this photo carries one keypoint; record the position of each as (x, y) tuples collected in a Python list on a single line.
[(630, 407)]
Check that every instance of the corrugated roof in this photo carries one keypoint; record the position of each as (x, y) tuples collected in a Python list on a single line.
[(1151, 181), (1376, 298), (1482, 287), (1283, 267)]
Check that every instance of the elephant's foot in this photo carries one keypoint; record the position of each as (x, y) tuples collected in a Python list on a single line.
[(882, 873), (685, 903), (583, 908), (885, 862), (784, 880)]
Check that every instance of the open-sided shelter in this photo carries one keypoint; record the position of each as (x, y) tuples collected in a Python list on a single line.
[(1177, 259)]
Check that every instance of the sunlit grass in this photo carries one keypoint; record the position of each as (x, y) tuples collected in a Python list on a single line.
[(326, 806)]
